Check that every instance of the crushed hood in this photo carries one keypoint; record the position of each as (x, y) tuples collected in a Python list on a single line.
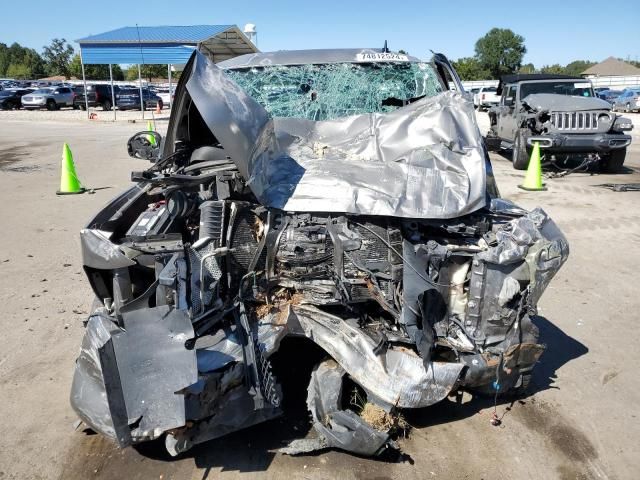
[(425, 160), (565, 103)]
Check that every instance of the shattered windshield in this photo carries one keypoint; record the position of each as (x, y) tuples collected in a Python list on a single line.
[(326, 92)]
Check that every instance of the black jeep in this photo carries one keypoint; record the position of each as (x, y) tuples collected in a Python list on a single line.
[(563, 115)]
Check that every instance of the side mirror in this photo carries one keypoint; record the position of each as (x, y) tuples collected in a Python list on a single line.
[(145, 145), (509, 101)]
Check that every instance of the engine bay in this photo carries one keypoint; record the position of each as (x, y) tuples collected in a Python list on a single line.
[(453, 298)]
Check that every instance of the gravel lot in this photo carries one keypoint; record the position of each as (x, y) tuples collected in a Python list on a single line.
[(580, 423)]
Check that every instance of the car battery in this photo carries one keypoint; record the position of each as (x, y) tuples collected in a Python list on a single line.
[(153, 221)]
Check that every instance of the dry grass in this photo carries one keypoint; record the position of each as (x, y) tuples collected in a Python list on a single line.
[(383, 421), (280, 306), (377, 417)]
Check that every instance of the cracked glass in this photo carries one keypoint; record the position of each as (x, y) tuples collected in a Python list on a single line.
[(327, 92)]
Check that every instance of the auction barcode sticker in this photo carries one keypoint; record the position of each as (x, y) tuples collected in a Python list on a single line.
[(381, 57)]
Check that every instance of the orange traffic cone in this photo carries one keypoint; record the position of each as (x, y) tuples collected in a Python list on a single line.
[(533, 178), (69, 182)]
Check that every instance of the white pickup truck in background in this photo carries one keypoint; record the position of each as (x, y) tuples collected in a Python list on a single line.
[(485, 98)]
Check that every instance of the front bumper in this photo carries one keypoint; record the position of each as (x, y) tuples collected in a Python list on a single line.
[(597, 142)]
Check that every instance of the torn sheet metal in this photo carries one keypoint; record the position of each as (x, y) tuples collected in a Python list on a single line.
[(424, 160), (136, 373), (397, 376), (335, 426), (536, 239), (88, 394), (99, 252)]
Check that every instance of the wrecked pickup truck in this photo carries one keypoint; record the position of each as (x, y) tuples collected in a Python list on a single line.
[(338, 200)]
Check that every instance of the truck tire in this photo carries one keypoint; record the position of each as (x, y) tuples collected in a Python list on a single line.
[(613, 162), (106, 106), (519, 152), (51, 105)]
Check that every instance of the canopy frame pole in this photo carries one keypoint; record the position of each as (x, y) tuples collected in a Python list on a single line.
[(113, 95), (169, 75), (140, 86), (84, 81)]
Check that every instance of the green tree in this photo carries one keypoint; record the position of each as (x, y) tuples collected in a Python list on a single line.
[(469, 68), (527, 68), (26, 60), (500, 51), (58, 55), (94, 72), (577, 67), (555, 69), (18, 71), (149, 72)]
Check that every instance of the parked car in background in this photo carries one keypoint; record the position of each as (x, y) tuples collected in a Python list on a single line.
[(129, 99), (609, 95), (165, 95), (97, 96), (52, 98), (628, 100), (10, 99), (485, 98), (7, 83)]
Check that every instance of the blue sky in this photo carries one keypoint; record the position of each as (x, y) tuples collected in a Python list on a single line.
[(557, 31)]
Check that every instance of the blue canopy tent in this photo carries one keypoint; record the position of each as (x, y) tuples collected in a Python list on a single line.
[(169, 45)]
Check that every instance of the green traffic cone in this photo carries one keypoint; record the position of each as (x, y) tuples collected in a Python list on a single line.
[(533, 177), (69, 182), (151, 138)]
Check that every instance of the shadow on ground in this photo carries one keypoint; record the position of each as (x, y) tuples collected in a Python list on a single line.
[(560, 350)]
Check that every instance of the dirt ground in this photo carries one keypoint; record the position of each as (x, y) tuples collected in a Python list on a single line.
[(581, 421)]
